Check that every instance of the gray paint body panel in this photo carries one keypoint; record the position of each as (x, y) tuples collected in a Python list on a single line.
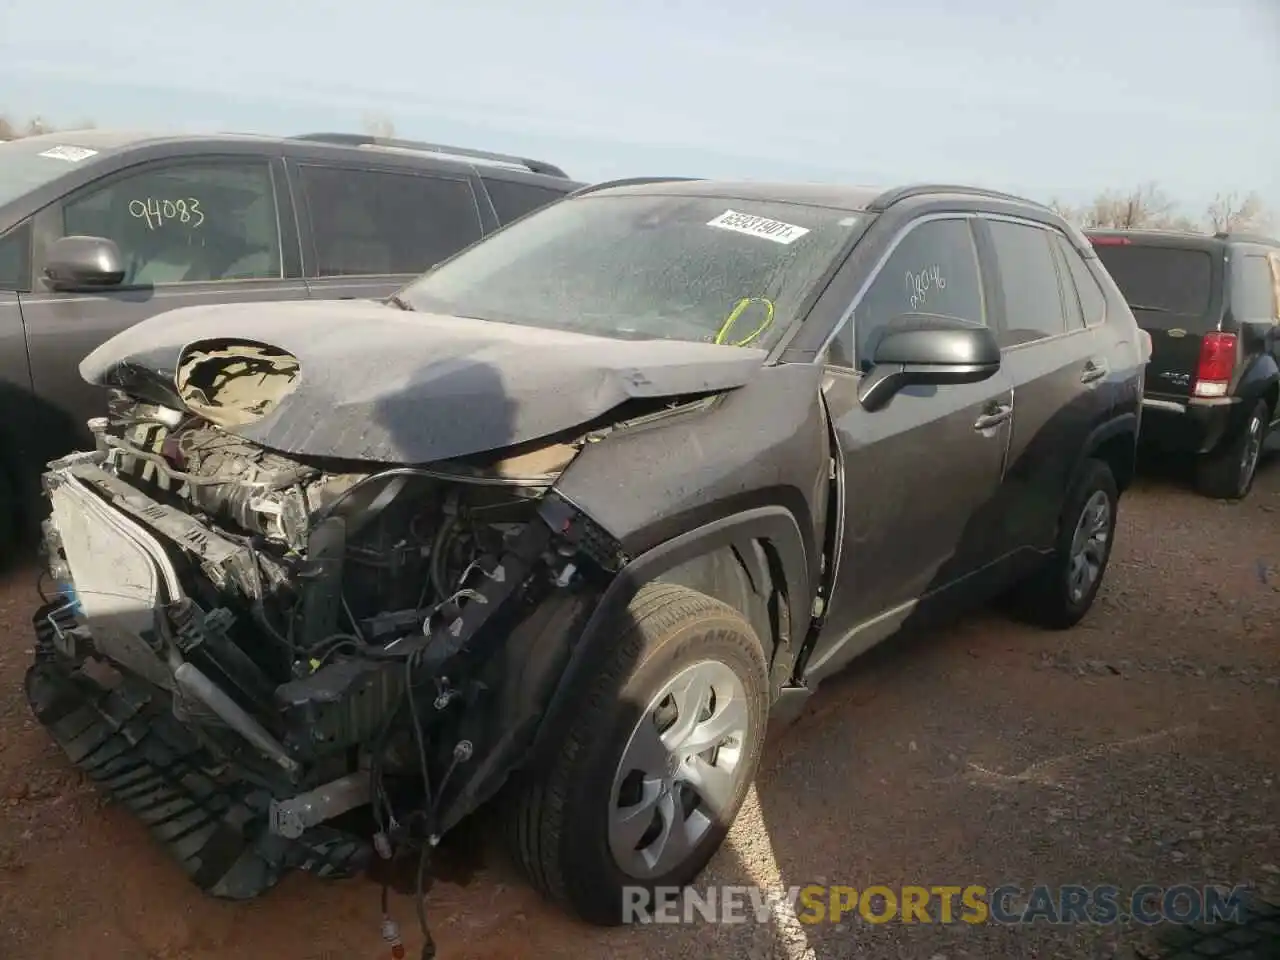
[(384, 385)]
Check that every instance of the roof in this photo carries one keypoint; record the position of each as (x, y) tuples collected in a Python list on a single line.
[(808, 194), (1182, 238), (112, 141), (871, 199)]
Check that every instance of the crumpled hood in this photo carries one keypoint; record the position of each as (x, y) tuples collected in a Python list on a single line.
[(371, 382)]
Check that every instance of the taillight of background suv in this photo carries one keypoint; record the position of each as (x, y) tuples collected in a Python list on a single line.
[(1217, 363)]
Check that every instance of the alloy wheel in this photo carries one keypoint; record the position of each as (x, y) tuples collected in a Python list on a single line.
[(1089, 545)]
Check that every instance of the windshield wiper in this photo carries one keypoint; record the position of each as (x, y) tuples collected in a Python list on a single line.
[(398, 301), (1149, 308)]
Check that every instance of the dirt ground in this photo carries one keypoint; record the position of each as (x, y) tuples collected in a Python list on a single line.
[(1141, 747)]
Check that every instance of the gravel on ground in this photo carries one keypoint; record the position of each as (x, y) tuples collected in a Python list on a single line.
[(1141, 747)]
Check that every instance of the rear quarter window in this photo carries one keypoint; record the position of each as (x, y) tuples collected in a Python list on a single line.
[(1253, 288), (1161, 280), (15, 251), (512, 199)]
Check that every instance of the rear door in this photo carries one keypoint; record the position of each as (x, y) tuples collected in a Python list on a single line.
[(1057, 363), (1174, 292), (369, 230), (192, 230)]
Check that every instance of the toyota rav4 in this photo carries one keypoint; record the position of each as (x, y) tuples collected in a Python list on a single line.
[(571, 520)]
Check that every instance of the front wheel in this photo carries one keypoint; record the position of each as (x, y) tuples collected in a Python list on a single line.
[(1062, 591), (1228, 473), (664, 747)]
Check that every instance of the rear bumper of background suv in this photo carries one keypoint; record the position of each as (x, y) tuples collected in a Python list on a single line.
[(1197, 426)]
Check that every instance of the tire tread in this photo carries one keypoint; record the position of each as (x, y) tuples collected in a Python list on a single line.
[(536, 824)]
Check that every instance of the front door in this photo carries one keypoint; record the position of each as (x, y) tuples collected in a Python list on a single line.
[(191, 231), (919, 475)]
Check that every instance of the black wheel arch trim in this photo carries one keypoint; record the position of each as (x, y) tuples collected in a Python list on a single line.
[(1108, 430), (774, 524)]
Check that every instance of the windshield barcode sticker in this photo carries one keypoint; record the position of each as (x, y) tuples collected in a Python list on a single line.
[(774, 230), (70, 154)]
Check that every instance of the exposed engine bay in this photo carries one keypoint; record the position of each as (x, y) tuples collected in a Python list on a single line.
[(333, 635)]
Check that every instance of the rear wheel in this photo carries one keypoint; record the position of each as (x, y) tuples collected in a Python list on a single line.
[(1062, 591), (1228, 472), (663, 749)]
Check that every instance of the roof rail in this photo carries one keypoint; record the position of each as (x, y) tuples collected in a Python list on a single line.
[(467, 153), (1240, 237), (897, 194), (630, 182)]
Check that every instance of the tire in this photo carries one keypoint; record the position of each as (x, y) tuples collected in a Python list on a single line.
[(559, 824), (1049, 598), (1228, 472)]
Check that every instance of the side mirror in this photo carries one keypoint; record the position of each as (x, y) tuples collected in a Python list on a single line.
[(928, 349), (79, 263)]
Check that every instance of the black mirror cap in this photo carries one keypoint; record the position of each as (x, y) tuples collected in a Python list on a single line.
[(928, 350), (80, 262), (933, 340)]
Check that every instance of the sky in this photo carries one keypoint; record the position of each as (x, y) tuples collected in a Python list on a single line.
[(1046, 98)]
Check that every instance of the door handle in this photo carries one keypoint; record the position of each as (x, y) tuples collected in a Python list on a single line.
[(999, 413), (1094, 369)]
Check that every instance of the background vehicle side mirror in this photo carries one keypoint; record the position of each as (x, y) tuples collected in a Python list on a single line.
[(79, 263), (930, 349)]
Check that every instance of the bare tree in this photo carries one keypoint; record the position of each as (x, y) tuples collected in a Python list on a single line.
[(379, 125), (1230, 211), (1065, 210), (1145, 206)]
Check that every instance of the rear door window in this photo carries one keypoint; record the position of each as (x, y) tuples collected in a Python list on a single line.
[(185, 222), (1029, 278), (1253, 296), (1093, 303), (377, 222), (1067, 287), (513, 199), (1161, 280)]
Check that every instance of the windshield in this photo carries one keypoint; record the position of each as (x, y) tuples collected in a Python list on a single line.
[(646, 267), (1161, 279), (28, 164)]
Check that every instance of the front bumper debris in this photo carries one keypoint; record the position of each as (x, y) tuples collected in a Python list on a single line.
[(126, 738)]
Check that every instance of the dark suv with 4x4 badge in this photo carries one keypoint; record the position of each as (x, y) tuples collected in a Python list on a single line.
[(573, 517), (1211, 305)]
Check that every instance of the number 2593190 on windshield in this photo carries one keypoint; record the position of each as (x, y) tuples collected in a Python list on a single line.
[(157, 213)]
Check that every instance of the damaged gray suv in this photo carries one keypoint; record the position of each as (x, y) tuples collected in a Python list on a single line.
[(570, 521)]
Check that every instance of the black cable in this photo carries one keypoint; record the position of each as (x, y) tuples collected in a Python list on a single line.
[(44, 597), (428, 945)]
